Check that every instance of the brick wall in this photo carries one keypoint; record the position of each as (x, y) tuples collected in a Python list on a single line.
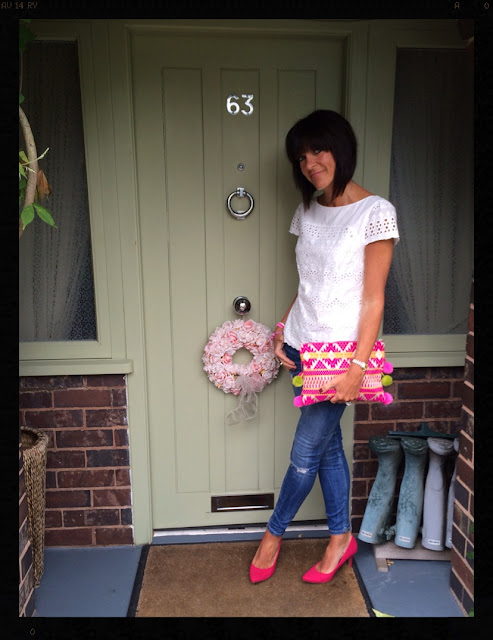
[(26, 571), (88, 491), (462, 578), (432, 395)]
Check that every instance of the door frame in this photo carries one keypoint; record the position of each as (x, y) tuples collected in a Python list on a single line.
[(355, 33)]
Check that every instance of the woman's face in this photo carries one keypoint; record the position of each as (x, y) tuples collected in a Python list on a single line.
[(318, 167)]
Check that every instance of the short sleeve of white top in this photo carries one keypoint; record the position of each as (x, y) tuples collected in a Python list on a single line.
[(330, 254)]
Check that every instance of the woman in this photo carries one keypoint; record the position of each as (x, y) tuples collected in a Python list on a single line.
[(345, 242)]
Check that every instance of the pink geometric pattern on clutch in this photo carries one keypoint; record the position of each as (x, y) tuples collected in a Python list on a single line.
[(324, 361)]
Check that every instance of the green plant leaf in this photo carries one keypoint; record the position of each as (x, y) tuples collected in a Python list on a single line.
[(21, 98), (21, 171), (25, 35), (45, 215), (23, 156), (379, 614), (27, 216)]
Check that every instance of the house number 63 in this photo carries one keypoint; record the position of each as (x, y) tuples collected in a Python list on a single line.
[(233, 107)]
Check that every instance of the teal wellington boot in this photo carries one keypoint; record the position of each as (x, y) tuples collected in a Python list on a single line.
[(379, 506), (410, 504)]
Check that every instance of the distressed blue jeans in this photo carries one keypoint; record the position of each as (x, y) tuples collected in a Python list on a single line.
[(317, 449)]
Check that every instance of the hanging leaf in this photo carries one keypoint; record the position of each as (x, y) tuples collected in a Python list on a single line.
[(45, 215), (22, 173), (27, 216), (379, 614), (21, 98), (25, 35), (42, 187), (23, 156)]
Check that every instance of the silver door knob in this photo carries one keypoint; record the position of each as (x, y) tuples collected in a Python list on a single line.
[(241, 305)]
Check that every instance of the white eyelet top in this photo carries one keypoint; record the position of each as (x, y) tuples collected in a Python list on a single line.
[(330, 255)]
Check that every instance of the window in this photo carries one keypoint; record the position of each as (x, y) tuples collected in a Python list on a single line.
[(431, 186), (56, 287)]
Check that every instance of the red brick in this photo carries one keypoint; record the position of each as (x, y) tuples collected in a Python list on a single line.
[(469, 372), (22, 510), (422, 390), (68, 537), (108, 458), (55, 419), (111, 497), (467, 423), (23, 536), (53, 519), (122, 477), (464, 573), (86, 478), (22, 484), (37, 399), (364, 431), (126, 516), (457, 389), (85, 438), (50, 382), (410, 373), (358, 506), (361, 412), (397, 410), (107, 380), (470, 345), (465, 473), (102, 517), (50, 480), (65, 459), (361, 452), (121, 437), (26, 562), (466, 447), (114, 535), (443, 409), (74, 518), (119, 398), (57, 499), (82, 398), (106, 417), (449, 373), (360, 489), (458, 540), (468, 398)]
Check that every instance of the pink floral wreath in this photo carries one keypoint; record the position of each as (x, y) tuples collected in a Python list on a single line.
[(237, 378)]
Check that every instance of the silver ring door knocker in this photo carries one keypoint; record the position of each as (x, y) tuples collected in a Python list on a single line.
[(240, 193)]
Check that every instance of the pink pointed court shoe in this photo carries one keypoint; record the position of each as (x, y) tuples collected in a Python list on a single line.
[(316, 576), (259, 575)]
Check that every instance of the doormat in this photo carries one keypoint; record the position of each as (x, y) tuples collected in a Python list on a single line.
[(212, 580)]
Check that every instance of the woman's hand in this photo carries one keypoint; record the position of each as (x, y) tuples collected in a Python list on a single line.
[(347, 385), (281, 354)]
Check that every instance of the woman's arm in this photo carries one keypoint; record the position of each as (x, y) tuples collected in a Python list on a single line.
[(378, 256), (279, 342)]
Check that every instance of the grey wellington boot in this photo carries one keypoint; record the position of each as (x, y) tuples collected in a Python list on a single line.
[(379, 506), (435, 497), (450, 504), (410, 504)]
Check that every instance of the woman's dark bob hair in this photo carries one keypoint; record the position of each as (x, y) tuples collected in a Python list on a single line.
[(322, 130)]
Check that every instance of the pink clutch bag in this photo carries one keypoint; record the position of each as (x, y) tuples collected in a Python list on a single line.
[(324, 361)]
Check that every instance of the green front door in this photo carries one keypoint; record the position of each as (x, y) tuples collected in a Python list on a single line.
[(210, 115)]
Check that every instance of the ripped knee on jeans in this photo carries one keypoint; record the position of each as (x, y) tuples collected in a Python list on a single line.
[(301, 470)]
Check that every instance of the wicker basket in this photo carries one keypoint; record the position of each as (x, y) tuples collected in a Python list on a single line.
[(34, 444)]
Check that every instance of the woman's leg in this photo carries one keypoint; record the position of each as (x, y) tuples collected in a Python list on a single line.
[(335, 482), (316, 426)]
